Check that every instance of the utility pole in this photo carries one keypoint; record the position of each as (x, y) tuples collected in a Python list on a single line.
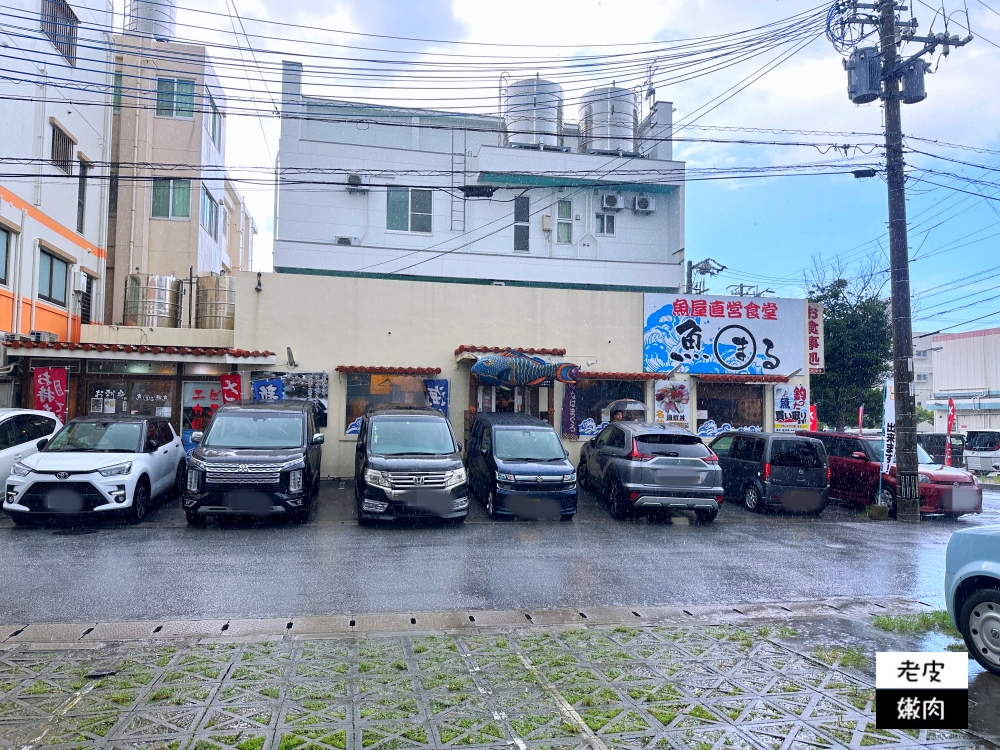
[(707, 267), (846, 29)]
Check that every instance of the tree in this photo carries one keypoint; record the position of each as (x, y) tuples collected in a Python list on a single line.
[(858, 349), (924, 415)]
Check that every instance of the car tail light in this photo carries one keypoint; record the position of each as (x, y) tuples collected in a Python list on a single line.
[(767, 472), (635, 455), (719, 499), (828, 474), (633, 496), (711, 458)]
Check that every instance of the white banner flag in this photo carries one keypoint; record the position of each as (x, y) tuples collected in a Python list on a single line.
[(888, 425)]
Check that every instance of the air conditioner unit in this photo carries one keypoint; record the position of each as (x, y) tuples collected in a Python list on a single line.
[(612, 202), (358, 183), (348, 240), (643, 204), (40, 336), (17, 337)]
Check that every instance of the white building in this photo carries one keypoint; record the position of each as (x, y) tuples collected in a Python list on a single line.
[(923, 375), (967, 370), (56, 116), (411, 192)]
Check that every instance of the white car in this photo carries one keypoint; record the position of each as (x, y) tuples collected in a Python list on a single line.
[(100, 465), (21, 433)]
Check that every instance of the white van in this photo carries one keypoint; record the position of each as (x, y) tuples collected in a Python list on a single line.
[(982, 451)]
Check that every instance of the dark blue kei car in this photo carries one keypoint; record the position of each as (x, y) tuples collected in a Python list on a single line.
[(517, 466)]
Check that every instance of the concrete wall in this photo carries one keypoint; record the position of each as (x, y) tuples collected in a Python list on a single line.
[(193, 337), (40, 210), (329, 321)]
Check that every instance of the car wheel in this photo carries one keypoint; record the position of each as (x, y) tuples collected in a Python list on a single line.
[(195, 519), (140, 502), (21, 519), (751, 498), (583, 477), (887, 499), (980, 625), (491, 503), (706, 516), (616, 502), (180, 481)]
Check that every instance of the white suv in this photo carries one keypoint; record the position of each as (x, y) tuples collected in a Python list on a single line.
[(21, 432), (99, 465)]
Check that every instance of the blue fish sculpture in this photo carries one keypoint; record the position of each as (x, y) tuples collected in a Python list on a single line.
[(509, 368)]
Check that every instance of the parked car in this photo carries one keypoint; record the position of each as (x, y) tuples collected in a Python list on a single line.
[(408, 464), (774, 469), (21, 433), (638, 466), (102, 465), (855, 468), (982, 451), (934, 443), (972, 591), (517, 466), (255, 459)]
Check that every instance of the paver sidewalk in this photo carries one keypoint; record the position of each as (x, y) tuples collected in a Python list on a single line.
[(763, 684)]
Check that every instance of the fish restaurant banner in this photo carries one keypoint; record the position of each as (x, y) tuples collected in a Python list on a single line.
[(723, 335)]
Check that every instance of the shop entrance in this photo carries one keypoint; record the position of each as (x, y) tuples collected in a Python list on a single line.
[(735, 404), (534, 400)]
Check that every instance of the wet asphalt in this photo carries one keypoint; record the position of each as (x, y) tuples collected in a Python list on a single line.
[(164, 569)]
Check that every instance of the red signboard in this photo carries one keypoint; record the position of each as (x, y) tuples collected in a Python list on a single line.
[(52, 390), (232, 387), (951, 426)]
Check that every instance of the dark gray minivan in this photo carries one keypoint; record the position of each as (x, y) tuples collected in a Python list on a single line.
[(764, 469)]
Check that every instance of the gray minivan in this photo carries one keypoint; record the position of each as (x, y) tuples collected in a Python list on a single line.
[(763, 469)]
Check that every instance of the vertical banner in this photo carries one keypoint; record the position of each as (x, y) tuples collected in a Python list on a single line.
[(814, 338), (888, 425), (813, 420), (672, 403), (199, 402), (268, 390), (570, 420), (437, 394), (52, 390), (861, 418), (951, 426), (790, 412), (232, 387)]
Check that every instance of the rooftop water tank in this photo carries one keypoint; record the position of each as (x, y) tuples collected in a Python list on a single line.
[(534, 110), (215, 302), (608, 120), (155, 18), (152, 301)]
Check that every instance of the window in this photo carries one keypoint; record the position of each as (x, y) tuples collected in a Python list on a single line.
[(209, 214), (171, 198), (722, 445), (81, 196), (59, 24), (213, 121), (5, 242), (62, 149), (796, 454), (617, 438), (923, 377), (522, 206), (32, 427), (564, 224), (605, 225), (87, 300), (116, 102), (52, 278), (408, 210), (174, 97), (225, 221), (364, 390)]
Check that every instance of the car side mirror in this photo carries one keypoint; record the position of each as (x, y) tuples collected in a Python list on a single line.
[(459, 447), (150, 446), (319, 438), (42, 443), (484, 451), (593, 441), (860, 454), (196, 436), (566, 453)]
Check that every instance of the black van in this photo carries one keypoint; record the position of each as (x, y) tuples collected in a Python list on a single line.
[(934, 444), (762, 469), (408, 465), (518, 467)]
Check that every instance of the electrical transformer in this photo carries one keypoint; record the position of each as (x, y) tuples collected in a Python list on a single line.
[(913, 82), (864, 75)]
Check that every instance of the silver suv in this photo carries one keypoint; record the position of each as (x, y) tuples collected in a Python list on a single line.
[(640, 466)]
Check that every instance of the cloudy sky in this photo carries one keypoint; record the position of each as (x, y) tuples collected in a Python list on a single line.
[(767, 231)]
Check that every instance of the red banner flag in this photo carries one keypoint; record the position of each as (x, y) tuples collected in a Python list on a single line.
[(813, 422), (951, 425), (861, 417), (52, 390), (232, 387)]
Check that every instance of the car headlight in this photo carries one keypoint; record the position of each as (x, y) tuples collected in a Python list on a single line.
[(570, 477), (295, 481), (506, 478), (194, 463), (453, 478), (20, 469), (117, 470), (924, 479), (194, 480), (295, 463), (378, 478)]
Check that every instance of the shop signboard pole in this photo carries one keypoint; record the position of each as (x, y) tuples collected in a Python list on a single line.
[(951, 426)]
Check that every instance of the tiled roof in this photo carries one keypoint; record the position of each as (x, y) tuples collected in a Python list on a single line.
[(197, 351), (390, 370), (743, 378), (620, 375), (498, 349)]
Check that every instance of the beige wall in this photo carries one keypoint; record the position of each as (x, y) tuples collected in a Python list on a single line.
[(329, 321), (193, 337)]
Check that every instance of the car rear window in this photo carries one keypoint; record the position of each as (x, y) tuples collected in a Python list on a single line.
[(797, 454), (983, 441), (661, 444)]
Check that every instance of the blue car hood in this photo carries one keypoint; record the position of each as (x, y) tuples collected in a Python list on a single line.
[(534, 468)]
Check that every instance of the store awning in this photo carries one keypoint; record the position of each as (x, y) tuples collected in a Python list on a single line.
[(620, 376), (389, 370), (745, 379), (140, 352), (473, 349)]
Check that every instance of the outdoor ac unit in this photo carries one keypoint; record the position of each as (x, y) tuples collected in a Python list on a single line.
[(612, 202), (46, 336), (643, 204), (17, 337), (348, 240), (358, 183)]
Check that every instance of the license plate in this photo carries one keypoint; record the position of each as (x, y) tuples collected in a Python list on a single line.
[(64, 501), (671, 477), (964, 499)]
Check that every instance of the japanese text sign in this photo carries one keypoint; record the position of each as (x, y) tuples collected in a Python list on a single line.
[(723, 335), (437, 394), (888, 426), (52, 390), (791, 410), (232, 387), (271, 389), (672, 403), (918, 690), (814, 338), (200, 400)]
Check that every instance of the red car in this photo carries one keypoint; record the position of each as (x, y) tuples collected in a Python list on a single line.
[(855, 463)]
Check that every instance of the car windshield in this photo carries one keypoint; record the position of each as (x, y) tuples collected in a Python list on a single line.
[(923, 457), (255, 430), (97, 437), (421, 436), (527, 445), (983, 441)]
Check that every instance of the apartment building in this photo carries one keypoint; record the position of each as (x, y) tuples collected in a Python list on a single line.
[(967, 371), (56, 123)]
